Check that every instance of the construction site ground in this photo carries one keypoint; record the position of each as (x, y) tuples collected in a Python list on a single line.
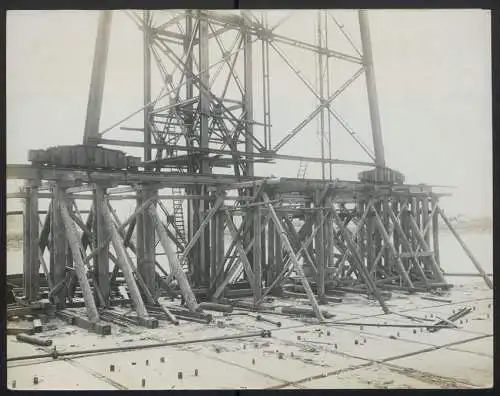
[(299, 355)]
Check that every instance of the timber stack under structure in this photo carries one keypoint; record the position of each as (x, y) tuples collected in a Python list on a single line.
[(200, 240)]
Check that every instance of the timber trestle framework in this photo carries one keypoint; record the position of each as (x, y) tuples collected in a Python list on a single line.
[(201, 236), (310, 238)]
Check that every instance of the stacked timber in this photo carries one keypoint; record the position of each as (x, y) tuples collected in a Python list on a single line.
[(83, 156), (381, 175)]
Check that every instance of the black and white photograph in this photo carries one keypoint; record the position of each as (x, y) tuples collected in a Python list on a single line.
[(249, 199)]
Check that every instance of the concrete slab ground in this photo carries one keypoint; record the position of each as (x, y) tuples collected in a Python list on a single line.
[(463, 366), (374, 376), (301, 354), (58, 375)]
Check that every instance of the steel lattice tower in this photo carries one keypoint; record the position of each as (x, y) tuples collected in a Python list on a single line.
[(208, 107)]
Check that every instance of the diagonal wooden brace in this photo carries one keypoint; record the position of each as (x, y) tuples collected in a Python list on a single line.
[(289, 263), (243, 257), (124, 261), (387, 239), (361, 269), (175, 264), (80, 269), (406, 243), (297, 266)]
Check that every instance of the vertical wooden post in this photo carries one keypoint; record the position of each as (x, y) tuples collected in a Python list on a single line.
[(370, 243), (271, 254), (175, 265), (58, 248), (220, 247), (217, 251), (31, 263), (385, 220), (257, 253), (394, 206), (278, 250), (122, 257), (263, 245), (404, 217), (235, 269), (390, 246), (139, 227), (320, 248), (435, 230), (413, 213), (329, 241), (81, 271), (420, 239), (70, 278), (146, 241), (213, 250), (360, 209), (361, 269), (297, 266), (377, 238), (204, 244), (407, 245), (425, 220), (44, 234), (101, 259), (309, 227)]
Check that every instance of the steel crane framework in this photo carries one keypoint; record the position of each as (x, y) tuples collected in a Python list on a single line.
[(223, 235)]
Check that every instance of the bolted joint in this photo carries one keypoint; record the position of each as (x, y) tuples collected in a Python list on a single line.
[(265, 34), (92, 141)]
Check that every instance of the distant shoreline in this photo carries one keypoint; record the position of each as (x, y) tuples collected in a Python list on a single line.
[(479, 225)]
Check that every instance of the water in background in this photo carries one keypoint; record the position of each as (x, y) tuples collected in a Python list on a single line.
[(453, 258)]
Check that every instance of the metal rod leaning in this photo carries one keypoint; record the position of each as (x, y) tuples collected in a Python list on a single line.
[(466, 249)]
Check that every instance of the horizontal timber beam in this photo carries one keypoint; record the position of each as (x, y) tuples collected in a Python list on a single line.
[(246, 154)]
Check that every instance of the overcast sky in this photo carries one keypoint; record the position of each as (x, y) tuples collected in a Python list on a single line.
[(433, 71)]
